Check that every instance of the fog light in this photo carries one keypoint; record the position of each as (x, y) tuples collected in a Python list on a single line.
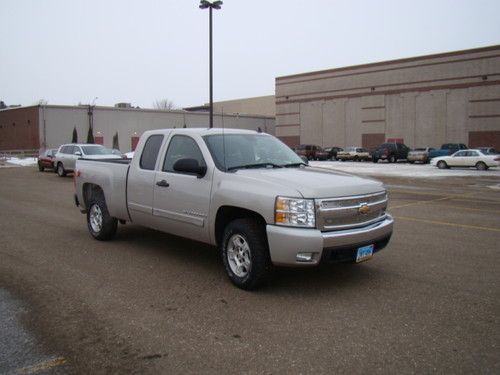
[(304, 257)]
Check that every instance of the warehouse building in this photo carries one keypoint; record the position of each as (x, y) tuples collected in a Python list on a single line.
[(48, 126), (423, 101)]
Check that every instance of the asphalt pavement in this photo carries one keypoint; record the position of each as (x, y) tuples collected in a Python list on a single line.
[(152, 303)]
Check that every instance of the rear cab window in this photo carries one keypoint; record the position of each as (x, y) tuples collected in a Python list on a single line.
[(150, 152)]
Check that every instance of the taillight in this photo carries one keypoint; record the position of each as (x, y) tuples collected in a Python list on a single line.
[(497, 159)]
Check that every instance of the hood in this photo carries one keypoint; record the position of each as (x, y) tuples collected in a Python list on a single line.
[(315, 182)]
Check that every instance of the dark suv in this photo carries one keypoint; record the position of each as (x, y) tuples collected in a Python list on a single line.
[(309, 151), (392, 152)]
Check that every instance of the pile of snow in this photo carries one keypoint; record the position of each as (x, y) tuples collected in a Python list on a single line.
[(21, 162), (130, 154), (402, 169)]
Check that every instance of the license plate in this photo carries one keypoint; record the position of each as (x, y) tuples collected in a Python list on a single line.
[(364, 253)]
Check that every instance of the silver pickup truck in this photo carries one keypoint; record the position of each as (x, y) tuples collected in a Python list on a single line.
[(245, 192)]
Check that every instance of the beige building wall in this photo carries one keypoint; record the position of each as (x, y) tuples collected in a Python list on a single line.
[(426, 101), (57, 123), (262, 106)]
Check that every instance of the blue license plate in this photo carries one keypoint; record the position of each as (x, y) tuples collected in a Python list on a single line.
[(364, 253)]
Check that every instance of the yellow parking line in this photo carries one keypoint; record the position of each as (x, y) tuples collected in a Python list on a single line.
[(471, 209), (42, 366), (448, 224), (492, 201), (417, 203), (411, 192)]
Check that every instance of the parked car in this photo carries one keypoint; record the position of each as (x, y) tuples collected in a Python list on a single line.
[(420, 154), (447, 149), (308, 151), (243, 191), (67, 155), (46, 159), (332, 152), (392, 152), (487, 150), (321, 154), (353, 153), (467, 158)]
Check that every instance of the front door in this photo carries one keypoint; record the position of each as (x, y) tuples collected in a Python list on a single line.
[(182, 201)]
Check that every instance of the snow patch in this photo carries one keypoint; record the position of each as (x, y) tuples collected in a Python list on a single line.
[(402, 169)]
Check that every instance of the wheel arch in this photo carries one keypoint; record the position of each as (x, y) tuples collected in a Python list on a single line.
[(89, 191), (226, 214)]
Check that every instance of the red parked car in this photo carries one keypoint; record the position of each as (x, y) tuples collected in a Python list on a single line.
[(46, 159)]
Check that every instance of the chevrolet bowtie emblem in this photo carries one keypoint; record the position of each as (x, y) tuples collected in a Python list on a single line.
[(363, 208)]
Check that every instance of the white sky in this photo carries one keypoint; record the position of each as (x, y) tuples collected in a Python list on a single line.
[(70, 51)]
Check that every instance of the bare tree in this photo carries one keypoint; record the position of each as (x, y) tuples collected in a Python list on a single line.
[(164, 104)]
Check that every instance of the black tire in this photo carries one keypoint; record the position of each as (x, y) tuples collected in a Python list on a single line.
[(442, 164), (375, 160), (481, 166), (249, 238), (392, 159), (40, 167), (61, 172), (100, 224), (411, 161)]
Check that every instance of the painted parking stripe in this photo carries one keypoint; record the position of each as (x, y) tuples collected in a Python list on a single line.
[(447, 223), (43, 366)]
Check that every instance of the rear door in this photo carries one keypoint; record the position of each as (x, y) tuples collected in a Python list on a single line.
[(141, 180), (182, 201)]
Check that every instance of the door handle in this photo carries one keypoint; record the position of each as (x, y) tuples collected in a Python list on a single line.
[(163, 183)]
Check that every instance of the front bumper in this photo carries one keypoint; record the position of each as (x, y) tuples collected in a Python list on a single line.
[(336, 246)]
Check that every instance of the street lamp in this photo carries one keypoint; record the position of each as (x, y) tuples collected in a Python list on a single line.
[(204, 4)]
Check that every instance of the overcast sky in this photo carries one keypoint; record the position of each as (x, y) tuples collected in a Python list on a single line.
[(71, 51)]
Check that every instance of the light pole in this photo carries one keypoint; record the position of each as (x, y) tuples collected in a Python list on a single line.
[(204, 4)]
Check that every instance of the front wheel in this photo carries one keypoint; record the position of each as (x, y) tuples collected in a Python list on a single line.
[(245, 253), (442, 164), (61, 172), (100, 224), (392, 159)]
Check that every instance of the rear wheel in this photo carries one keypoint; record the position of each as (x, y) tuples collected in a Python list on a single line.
[(61, 172), (442, 164), (40, 167), (100, 224), (375, 160), (392, 159), (245, 253), (481, 166)]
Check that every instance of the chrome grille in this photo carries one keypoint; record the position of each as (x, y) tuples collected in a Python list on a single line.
[(350, 212)]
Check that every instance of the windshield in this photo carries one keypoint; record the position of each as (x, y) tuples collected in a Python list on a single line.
[(233, 151), (95, 150)]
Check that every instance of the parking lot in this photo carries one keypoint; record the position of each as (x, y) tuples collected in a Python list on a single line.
[(149, 302)]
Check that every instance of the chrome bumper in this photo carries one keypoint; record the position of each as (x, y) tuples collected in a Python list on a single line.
[(285, 243)]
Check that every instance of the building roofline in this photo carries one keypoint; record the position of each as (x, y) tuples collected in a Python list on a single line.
[(396, 61), (150, 110)]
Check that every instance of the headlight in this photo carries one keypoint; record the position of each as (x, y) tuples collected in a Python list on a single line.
[(295, 212)]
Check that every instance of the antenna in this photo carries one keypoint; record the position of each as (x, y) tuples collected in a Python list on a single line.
[(223, 141)]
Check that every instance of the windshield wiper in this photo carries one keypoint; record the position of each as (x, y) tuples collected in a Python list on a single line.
[(257, 165), (292, 165)]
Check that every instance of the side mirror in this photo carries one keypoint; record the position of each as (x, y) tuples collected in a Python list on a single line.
[(305, 160), (78, 153), (190, 166)]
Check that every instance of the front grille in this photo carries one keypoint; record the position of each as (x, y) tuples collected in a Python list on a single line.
[(350, 212)]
